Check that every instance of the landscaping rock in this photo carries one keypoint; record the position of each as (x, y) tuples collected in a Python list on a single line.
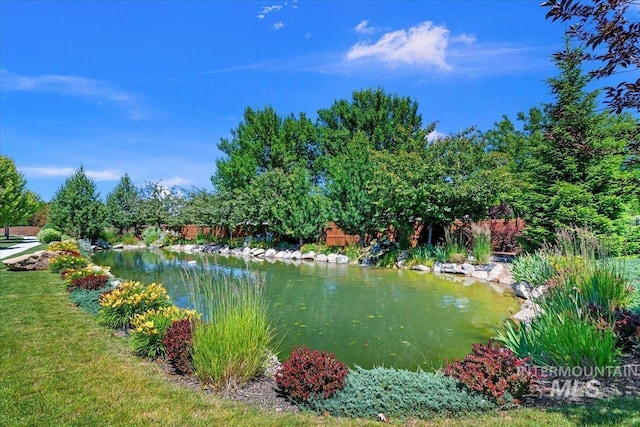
[(332, 257), (525, 315), (118, 246), (480, 274), (309, 255), (296, 255), (270, 253), (257, 252), (437, 267), (342, 259), (522, 290), (495, 272), (448, 268), (468, 268), (420, 267), (321, 258), (279, 254), (36, 261)]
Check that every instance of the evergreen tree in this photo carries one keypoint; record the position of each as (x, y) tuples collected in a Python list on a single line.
[(76, 208), (123, 206), (17, 203)]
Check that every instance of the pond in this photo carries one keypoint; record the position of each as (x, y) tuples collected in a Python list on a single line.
[(366, 316)]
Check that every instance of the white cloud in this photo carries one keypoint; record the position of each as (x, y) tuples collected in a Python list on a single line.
[(423, 45), (364, 28), (277, 26), (51, 172), (267, 10), (79, 87), (435, 135)]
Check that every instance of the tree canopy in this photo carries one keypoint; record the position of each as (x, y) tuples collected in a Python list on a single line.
[(17, 203)]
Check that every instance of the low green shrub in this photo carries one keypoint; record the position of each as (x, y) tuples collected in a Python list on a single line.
[(88, 301), (130, 298), (151, 234), (352, 251), (148, 329), (67, 261), (128, 239), (307, 374), (178, 346), (399, 394), (494, 371), (48, 235), (389, 258), (534, 268)]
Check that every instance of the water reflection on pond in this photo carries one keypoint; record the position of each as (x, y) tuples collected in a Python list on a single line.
[(366, 316)]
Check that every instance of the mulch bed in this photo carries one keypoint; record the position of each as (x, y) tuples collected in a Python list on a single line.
[(553, 391)]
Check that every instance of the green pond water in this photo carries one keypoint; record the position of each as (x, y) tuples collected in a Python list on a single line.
[(366, 316)]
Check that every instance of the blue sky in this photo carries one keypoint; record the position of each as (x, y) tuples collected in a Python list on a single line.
[(149, 88)]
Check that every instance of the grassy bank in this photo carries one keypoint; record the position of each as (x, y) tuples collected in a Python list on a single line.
[(58, 367)]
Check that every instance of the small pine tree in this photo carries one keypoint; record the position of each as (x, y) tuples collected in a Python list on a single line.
[(76, 208)]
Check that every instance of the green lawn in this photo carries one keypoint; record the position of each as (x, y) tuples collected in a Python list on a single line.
[(58, 367)]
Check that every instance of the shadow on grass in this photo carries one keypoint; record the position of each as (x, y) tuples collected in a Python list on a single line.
[(612, 411), (11, 241)]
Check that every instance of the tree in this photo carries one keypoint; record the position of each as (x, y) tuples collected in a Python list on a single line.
[(123, 206), (160, 205), (295, 207), (389, 122), (571, 159), (264, 141), (607, 35), (76, 208), (350, 189), (17, 203)]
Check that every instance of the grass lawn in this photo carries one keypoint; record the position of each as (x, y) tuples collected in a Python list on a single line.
[(58, 367)]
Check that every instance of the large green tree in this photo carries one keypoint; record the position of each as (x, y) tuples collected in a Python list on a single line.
[(76, 208), (571, 158), (388, 122), (123, 206), (160, 205), (265, 141), (17, 203)]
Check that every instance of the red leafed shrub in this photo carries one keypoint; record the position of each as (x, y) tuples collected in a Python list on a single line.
[(177, 343), (311, 374), (494, 371), (92, 282)]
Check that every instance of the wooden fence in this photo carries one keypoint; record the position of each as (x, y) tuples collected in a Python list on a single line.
[(26, 230)]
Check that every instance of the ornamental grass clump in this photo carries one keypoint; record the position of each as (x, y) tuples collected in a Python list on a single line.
[(117, 307), (496, 372), (535, 268), (399, 394), (481, 235), (148, 329), (307, 374), (232, 346)]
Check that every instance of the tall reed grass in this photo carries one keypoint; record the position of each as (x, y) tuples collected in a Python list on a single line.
[(232, 345), (481, 235)]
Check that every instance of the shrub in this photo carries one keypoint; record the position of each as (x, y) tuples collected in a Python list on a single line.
[(535, 268), (88, 301), (151, 234), (67, 261), (148, 329), (400, 394), (130, 298), (128, 239), (48, 235), (309, 373), (232, 347), (389, 258), (91, 282), (352, 251), (494, 371), (178, 345), (64, 246)]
